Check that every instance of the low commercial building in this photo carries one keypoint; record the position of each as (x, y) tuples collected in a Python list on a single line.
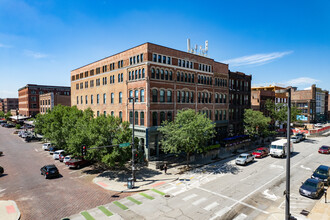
[(49, 100), (8, 104), (28, 97)]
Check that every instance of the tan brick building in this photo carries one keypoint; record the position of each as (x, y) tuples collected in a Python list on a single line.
[(7, 104), (165, 80), (49, 100), (28, 97)]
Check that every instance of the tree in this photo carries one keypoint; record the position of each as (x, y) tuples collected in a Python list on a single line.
[(8, 115), (189, 133), (279, 111), (255, 123), (2, 114)]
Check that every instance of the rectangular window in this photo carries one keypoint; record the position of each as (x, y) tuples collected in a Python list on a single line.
[(81, 85), (136, 118), (159, 58), (164, 59), (168, 60), (142, 95), (112, 98), (98, 99), (86, 74), (92, 100), (98, 70), (154, 58), (138, 58), (130, 61), (91, 72), (92, 83), (141, 118), (154, 119), (141, 56), (131, 117)]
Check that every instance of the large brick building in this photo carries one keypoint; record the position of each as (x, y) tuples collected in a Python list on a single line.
[(239, 100), (313, 103), (7, 104), (165, 80), (28, 97), (49, 100)]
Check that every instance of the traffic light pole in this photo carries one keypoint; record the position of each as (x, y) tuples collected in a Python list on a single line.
[(133, 145)]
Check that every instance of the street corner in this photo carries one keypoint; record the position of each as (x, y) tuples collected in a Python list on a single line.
[(9, 210)]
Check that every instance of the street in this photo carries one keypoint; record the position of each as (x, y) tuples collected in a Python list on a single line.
[(40, 198), (224, 190)]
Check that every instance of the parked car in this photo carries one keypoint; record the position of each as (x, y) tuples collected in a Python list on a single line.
[(52, 149), (322, 173), (61, 157), (9, 125), (311, 188), (295, 139), (260, 152), (1, 170), (67, 158), (46, 146), (32, 137), (49, 171), (77, 162), (244, 159), (318, 125), (302, 136), (57, 153), (20, 133), (25, 134), (3, 124), (324, 150)]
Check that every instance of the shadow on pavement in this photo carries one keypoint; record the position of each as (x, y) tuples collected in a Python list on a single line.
[(122, 175)]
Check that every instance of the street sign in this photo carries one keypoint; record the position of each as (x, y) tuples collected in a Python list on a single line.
[(124, 144)]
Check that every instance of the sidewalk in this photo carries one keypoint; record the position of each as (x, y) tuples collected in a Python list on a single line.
[(321, 210), (9, 210)]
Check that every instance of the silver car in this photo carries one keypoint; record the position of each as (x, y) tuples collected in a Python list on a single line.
[(244, 159)]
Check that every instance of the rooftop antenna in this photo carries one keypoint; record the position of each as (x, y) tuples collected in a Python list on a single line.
[(188, 45)]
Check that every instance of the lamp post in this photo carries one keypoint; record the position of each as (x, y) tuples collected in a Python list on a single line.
[(133, 99), (287, 190)]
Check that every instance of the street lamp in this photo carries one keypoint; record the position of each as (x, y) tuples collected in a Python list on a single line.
[(287, 190), (133, 99)]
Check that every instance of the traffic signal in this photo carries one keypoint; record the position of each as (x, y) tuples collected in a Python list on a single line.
[(136, 156), (83, 150)]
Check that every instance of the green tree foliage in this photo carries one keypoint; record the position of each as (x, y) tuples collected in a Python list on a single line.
[(189, 133), (279, 112), (255, 123), (2, 114), (70, 129), (8, 115)]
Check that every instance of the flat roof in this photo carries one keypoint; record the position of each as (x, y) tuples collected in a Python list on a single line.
[(43, 86)]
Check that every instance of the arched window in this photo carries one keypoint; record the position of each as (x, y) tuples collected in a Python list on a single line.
[(166, 75), (183, 98), (154, 95), (98, 98), (193, 78), (120, 97), (169, 96), (141, 118), (162, 96), (171, 75), (207, 80), (199, 79), (130, 95), (121, 116), (169, 116), (178, 77), (152, 73), (185, 77), (162, 117), (206, 97), (210, 97), (187, 97), (133, 75), (182, 77), (199, 97), (216, 115), (143, 73), (139, 73), (154, 119), (157, 73), (189, 77), (136, 118), (104, 98), (86, 99), (202, 97), (142, 95), (112, 113), (221, 100), (129, 75), (112, 98), (178, 96), (136, 95), (192, 97), (161, 74), (204, 80), (136, 74), (131, 117)]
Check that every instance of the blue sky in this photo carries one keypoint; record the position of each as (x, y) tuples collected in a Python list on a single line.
[(283, 42)]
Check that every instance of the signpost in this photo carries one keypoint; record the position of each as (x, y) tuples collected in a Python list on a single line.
[(124, 144)]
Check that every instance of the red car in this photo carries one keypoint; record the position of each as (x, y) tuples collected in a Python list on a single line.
[(261, 152), (61, 157), (324, 150), (77, 163)]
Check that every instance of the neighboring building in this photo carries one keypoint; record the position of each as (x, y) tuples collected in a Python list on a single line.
[(7, 104), (328, 108), (239, 100), (313, 103), (28, 97), (165, 80), (51, 99), (259, 96)]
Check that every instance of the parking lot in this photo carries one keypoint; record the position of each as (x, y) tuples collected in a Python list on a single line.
[(40, 198)]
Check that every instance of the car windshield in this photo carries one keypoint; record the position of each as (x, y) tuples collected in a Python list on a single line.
[(276, 147), (321, 171), (241, 156), (53, 169), (258, 151), (309, 183), (324, 148)]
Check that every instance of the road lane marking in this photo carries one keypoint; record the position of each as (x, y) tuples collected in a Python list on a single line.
[(269, 196), (189, 197), (220, 213), (305, 168), (211, 206), (276, 166), (178, 192), (245, 178), (36, 150), (2, 190), (169, 189), (199, 201), (240, 217), (73, 171)]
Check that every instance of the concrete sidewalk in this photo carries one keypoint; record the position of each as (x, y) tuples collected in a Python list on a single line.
[(321, 210), (9, 210)]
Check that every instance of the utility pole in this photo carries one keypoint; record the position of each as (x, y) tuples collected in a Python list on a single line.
[(287, 194), (133, 145)]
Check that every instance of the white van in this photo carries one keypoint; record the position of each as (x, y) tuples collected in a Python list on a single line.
[(278, 148), (46, 146)]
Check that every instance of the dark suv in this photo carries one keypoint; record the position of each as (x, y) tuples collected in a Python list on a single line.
[(49, 171), (322, 173)]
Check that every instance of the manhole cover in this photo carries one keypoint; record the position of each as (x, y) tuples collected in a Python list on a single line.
[(167, 195), (304, 212)]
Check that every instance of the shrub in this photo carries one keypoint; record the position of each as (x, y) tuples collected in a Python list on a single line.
[(18, 126)]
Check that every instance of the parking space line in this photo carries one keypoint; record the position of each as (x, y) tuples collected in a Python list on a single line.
[(189, 197), (199, 201), (211, 206)]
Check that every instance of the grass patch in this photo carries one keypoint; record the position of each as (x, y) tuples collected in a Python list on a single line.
[(123, 207), (159, 192), (105, 211), (147, 196), (87, 215), (134, 200)]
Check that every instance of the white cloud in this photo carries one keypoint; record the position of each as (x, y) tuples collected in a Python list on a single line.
[(34, 54), (256, 59), (302, 81)]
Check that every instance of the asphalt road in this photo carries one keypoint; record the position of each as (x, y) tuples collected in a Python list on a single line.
[(225, 191), (40, 198)]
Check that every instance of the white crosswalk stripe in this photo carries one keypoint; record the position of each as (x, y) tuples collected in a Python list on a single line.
[(189, 197), (240, 217), (199, 201), (169, 189), (211, 206)]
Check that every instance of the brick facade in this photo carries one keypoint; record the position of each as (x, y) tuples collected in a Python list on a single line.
[(7, 104), (164, 79), (28, 97), (49, 100)]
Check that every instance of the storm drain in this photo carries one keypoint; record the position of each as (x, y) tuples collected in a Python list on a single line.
[(304, 212)]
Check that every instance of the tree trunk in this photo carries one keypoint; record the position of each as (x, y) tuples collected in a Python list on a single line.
[(188, 157)]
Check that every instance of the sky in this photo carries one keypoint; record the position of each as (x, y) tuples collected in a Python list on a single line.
[(279, 42)]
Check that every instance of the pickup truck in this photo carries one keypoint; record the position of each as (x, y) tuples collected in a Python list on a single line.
[(77, 163)]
